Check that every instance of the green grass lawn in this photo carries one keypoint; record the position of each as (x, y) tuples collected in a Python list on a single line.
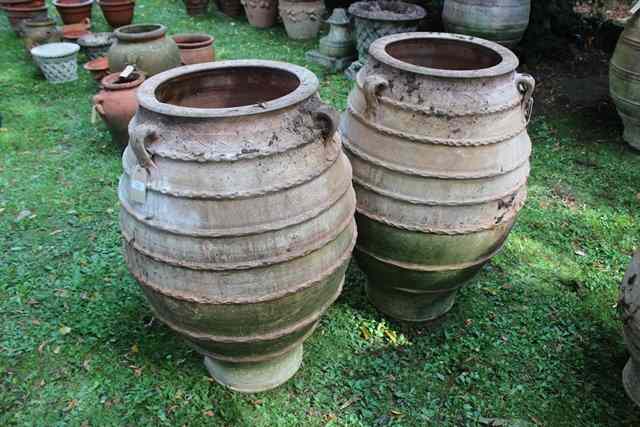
[(534, 339)]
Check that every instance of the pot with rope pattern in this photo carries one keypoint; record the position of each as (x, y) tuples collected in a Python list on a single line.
[(436, 132), (237, 212)]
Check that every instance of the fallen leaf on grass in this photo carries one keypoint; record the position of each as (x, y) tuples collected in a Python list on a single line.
[(65, 330), (208, 413), (581, 253), (365, 333), (42, 346), (25, 213)]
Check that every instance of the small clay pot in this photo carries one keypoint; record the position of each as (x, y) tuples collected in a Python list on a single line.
[(99, 68), (40, 31), (261, 13), (196, 7), (116, 103), (18, 14), (195, 48), (73, 12), (231, 8), (96, 45), (145, 46), (73, 32), (117, 13)]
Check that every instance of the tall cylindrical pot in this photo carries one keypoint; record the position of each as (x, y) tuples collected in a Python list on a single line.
[(145, 46), (237, 212), (302, 19), (624, 80), (436, 130), (501, 21), (117, 103), (261, 13)]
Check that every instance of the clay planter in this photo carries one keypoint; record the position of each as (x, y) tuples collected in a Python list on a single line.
[(96, 45), (116, 103), (146, 47), (195, 48), (74, 12), (379, 18), (439, 179), (261, 13), (629, 307), (117, 13), (196, 7), (216, 152), (624, 80), (302, 20), (73, 32), (18, 14), (231, 8), (501, 21), (98, 68), (40, 31), (58, 61)]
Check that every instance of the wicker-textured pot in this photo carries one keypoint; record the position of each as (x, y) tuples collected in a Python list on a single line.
[(58, 61), (436, 130), (237, 212)]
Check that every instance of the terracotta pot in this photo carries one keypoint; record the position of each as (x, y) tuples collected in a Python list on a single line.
[(96, 45), (117, 103), (302, 20), (196, 7), (18, 14), (216, 152), (20, 3), (231, 8), (40, 31), (261, 13), (501, 21), (436, 130), (195, 48), (624, 80), (73, 13), (98, 68), (146, 47), (119, 13), (74, 31)]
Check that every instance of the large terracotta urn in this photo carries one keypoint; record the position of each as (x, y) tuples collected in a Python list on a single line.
[(624, 79), (629, 307), (116, 104), (436, 130), (237, 213), (145, 46), (501, 21)]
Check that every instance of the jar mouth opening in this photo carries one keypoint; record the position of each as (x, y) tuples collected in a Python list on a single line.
[(227, 88), (139, 32), (444, 55)]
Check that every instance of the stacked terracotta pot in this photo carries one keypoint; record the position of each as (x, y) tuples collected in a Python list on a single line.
[(302, 18), (117, 12), (18, 11)]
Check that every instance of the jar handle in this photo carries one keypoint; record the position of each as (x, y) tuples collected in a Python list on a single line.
[(372, 87), (526, 84), (328, 119), (140, 137), (97, 103)]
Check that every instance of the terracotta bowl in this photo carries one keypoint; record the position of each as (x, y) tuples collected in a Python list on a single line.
[(98, 68)]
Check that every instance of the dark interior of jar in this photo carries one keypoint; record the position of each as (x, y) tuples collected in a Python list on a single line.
[(227, 87), (444, 54), (137, 29)]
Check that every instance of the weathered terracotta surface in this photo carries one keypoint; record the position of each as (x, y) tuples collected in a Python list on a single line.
[(237, 212), (195, 48), (18, 14), (74, 12), (302, 19), (261, 13), (146, 47), (40, 31), (501, 21), (436, 132), (117, 103), (629, 307), (117, 13), (624, 80)]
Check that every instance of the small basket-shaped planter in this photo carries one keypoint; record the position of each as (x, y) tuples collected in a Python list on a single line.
[(58, 61)]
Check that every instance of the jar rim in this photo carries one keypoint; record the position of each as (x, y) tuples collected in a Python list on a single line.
[(507, 64), (140, 32), (147, 98)]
